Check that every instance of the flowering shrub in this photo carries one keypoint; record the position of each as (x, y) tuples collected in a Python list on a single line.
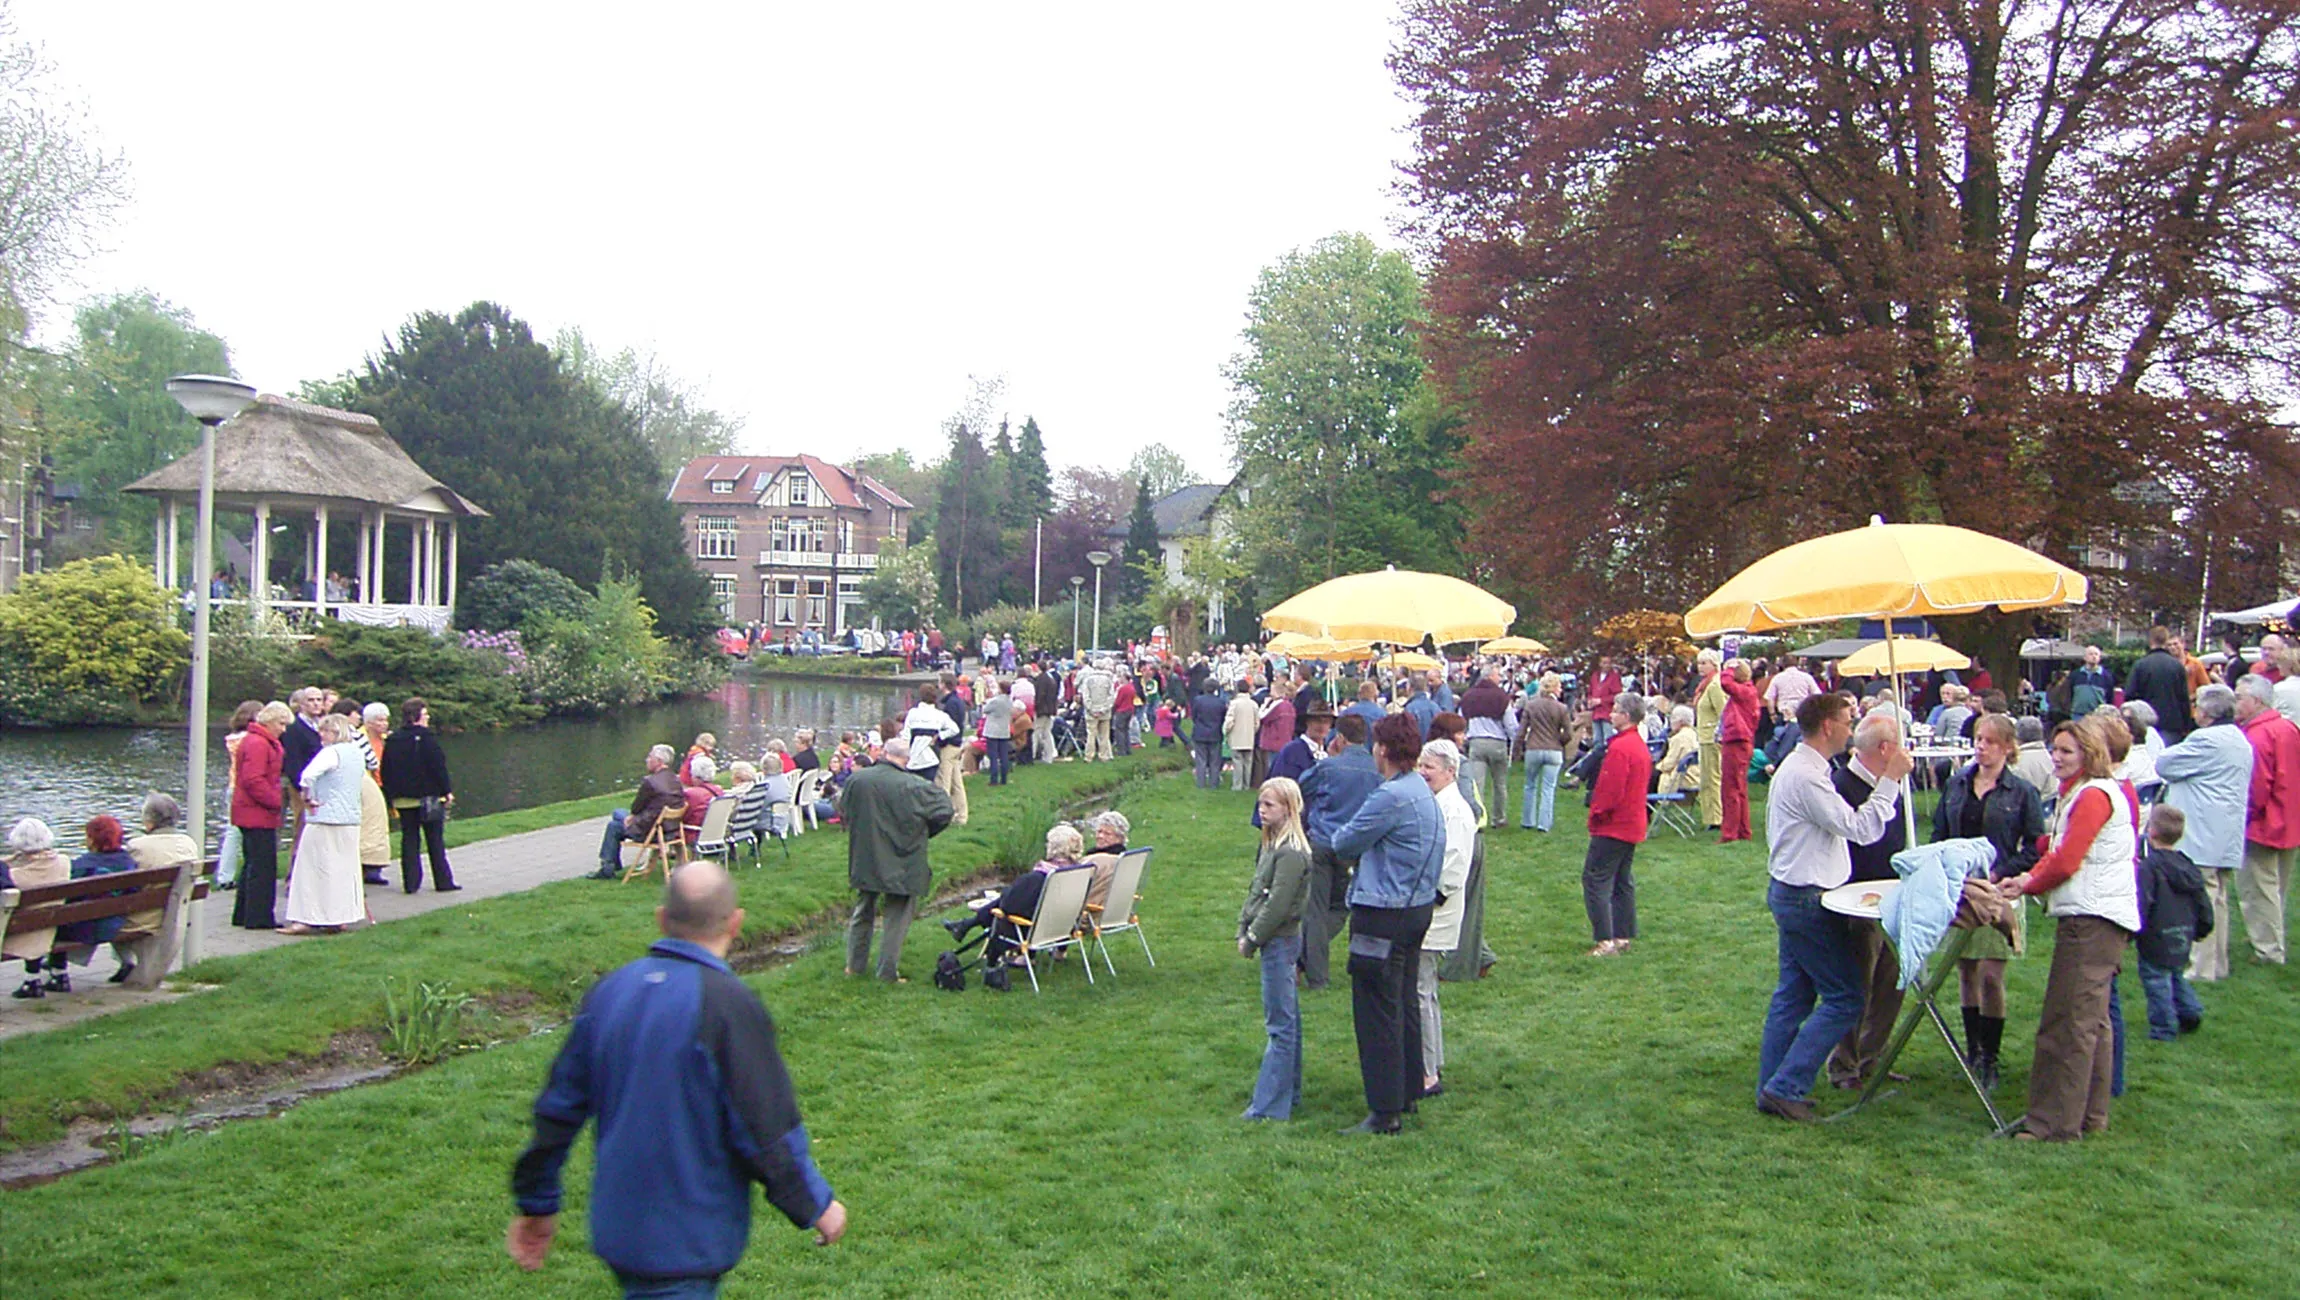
[(510, 645)]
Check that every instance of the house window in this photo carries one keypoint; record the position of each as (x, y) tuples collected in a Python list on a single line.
[(715, 537), (846, 536), (723, 592), (723, 487), (801, 490), (818, 536), (818, 602), (779, 534), (785, 593)]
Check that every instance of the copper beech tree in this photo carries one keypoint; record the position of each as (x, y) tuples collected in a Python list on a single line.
[(1713, 277)]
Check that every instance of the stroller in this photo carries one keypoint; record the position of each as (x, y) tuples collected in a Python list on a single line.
[(1069, 731)]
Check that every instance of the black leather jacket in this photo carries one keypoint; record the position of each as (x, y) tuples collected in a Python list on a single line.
[(2012, 817)]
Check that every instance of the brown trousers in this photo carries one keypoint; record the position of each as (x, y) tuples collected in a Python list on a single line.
[(1853, 1058), (2075, 1050)]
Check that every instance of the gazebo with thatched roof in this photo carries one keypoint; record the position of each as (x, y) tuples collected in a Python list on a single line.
[(284, 457)]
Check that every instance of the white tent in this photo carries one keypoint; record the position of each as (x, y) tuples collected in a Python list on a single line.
[(2274, 611)]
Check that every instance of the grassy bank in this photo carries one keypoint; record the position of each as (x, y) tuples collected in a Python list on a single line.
[(1597, 1136), (547, 944), (833, 667)]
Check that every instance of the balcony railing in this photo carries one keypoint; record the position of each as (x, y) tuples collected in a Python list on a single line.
[(858, 560), (797, 559)]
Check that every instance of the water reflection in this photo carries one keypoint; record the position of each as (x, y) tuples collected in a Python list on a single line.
[(66, 777)]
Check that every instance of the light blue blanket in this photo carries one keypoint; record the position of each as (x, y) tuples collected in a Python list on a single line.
[(1933, 877)]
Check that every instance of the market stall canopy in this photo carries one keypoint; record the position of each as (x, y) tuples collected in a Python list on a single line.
[(1885, 571), (1908, 654), (1513, 645), (1398, 606), (2275, 611)]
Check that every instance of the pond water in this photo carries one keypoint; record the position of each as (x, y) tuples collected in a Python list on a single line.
[(66, 777)]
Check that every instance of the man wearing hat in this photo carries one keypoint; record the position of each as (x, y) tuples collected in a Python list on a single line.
[(1302, 753)]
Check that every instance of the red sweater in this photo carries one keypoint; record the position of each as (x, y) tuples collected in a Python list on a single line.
[(2090, 813), (256, 796), (2272, 815), (1617, 807)]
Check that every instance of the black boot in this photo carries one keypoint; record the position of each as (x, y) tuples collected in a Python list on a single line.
[(30, 988), (59, 980), (1972, 1034), (1993, 1041), (958, 928), (126, 972)]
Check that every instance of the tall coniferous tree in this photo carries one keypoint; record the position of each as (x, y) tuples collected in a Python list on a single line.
[(966, 541), (488, 410), (1029, 482), (1141, 546)]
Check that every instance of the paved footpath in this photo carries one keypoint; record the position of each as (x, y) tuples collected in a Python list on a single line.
[(507, 865)]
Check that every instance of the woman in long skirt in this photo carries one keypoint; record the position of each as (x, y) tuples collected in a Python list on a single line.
[(325, 892)]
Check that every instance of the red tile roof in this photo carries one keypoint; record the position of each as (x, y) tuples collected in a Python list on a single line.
[(751, 475)]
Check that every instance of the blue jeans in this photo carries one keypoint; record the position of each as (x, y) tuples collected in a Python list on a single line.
[(1541, 768), (1817, 961), (2170, 999), (1280, 1084), (228, 857), (668, 1288), (611, 844), (1207, 759), (2116, 1029), (1000, 751)]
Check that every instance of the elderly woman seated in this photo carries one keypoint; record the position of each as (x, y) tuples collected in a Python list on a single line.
[(33, 860), (1063, 846), (1679, 768)]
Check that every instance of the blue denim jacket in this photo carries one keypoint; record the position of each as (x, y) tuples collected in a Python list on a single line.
[(1334, 790), (1398, 838)]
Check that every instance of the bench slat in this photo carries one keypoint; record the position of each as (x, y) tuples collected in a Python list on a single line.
[(47, 915), (64, 891)]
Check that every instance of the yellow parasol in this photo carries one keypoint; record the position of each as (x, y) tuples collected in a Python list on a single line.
[(1394, 605), (1314, 648), (1513, 645), (1411, 661), (1285, 643), (1885, 571), (1908, 654)]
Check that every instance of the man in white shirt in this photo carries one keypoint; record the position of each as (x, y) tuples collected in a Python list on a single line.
[(1808, 831), (1098, 691), (927, 728), (1790, 687)]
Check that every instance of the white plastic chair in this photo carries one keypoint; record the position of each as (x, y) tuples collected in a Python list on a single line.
[(711, 838), (809, 793), (1054, 925), (1116, 914)]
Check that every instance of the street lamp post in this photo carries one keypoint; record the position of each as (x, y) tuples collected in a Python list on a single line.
[(211, 399), (1075, 583), (1098, 559)]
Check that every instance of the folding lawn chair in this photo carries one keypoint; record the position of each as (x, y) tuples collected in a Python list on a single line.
[(1115, 914), (1670, 808), (665, 843), (752, 814), (715, 838), (1055, 924)]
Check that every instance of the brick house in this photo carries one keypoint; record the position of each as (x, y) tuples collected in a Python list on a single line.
[(786, 540)]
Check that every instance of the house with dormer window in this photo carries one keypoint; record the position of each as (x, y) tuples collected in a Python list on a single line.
[(787, 540)]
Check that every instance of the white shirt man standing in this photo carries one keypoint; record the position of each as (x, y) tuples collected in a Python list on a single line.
[(1809, 830)]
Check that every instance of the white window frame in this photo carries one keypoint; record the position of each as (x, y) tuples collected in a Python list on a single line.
[(798, 489), (783, 598), (722, 487), (723, 587), (715, 537), (818, 607)]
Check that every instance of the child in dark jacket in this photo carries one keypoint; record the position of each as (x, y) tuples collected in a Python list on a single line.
[(2174, 912)]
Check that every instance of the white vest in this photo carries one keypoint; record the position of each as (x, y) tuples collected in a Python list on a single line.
[(2105, 885)]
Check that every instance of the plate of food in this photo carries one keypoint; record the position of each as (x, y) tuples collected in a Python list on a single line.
[(1860, 898)]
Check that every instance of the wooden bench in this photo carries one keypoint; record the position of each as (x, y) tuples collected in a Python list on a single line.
[(122, 894)]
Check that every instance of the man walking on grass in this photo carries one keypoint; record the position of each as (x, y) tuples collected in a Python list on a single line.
[(890, 815), (1809, 829), (675, 1058)]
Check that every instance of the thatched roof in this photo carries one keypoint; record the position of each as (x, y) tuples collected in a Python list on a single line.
[(283, 450)]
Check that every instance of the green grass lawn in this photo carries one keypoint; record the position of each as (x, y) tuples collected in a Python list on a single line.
[(1597, 1138)]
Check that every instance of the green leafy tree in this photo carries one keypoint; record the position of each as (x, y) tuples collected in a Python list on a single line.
[(1162, 468), (508, 594), (1341, 450), (1143, 556), (483, 405), (903, 590), (604, 658), (667, 413), (111, 419), (86, 642)]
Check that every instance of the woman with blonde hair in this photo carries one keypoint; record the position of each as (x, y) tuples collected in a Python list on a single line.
[(255, 809), (374, 809), (1270, 924), (2087, 880)]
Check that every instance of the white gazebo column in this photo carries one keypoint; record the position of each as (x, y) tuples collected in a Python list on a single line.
[(319, 550), (451, 564), (430, 561), (159, 548), (260, 560), (414, 564), (174, 568)]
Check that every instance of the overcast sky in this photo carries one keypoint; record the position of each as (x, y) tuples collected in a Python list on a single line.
[(828, 215)]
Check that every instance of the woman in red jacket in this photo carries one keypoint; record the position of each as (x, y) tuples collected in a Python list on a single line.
[(256, 800), (1617, 813), (1736, 739)]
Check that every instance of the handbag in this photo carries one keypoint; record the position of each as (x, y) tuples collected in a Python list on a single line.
[(433, 809)]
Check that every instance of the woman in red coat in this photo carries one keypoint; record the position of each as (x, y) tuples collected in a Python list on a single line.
[(256, 801), (1617, 823), (1737, 738)]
